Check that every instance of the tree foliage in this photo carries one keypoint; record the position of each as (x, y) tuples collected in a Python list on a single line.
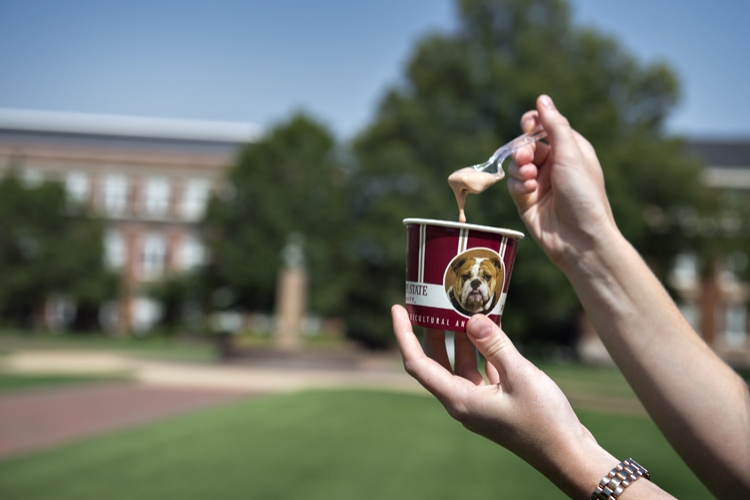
[(462, 95), (291, 184), (48, 248)]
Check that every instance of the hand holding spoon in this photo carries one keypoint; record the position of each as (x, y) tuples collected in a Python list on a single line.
[(481, 176), (495, 164)]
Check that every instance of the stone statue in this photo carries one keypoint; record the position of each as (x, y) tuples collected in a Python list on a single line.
[(291, 295)]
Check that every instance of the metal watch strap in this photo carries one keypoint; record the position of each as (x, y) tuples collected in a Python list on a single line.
[(619, 478)]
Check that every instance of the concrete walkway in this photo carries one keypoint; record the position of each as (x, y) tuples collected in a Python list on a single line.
[(41, 418), (368, 374)]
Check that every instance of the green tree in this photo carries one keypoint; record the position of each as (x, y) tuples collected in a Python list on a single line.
[(48, 247), (462, 95), (290, 184), (183, 299)]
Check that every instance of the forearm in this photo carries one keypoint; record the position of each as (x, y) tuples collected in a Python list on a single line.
[(699, 403), (578, 469)]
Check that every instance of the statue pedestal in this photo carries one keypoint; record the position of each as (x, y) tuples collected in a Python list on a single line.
[(291, 304)]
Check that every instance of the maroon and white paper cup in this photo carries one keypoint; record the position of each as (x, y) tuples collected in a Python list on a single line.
[(455, 270)]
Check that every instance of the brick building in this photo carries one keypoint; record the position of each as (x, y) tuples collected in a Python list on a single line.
[(149, 178), (716, 302), (711, 295)]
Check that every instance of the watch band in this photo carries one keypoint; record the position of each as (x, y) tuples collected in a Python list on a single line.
[(619, 478)]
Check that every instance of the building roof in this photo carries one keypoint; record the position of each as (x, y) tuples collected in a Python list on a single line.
[(20, 120), (71, 137), (727, 162), (726, 154)]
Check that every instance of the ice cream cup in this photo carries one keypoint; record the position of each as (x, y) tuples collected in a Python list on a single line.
[(456, 270)]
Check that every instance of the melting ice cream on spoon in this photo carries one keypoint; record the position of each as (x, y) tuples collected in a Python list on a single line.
[(478, 178), (468, 180)]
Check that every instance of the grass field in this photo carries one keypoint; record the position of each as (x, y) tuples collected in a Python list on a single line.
[(318, 445)]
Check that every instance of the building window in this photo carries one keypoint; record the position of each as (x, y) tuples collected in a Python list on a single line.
[(191, 253), (685, 272), (153, 256), (32, 177), (736, 263), (194, 199), (77, 187), (145, 314), (735, 324), (115, 192), (156, 195), (115, 250)]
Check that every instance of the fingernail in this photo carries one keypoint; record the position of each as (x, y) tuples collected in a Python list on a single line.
[(527, 123), (547, 102), (479, 327)]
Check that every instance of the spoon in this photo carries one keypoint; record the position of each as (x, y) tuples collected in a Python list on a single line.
[(495, 164)]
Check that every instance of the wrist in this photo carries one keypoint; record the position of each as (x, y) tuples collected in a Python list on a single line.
[(587, 465), (577, 464), (595, 256), (582, 469)]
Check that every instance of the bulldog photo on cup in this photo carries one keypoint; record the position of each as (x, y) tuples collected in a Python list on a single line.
[(474, 281)]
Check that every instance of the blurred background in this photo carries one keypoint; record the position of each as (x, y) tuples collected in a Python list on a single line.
[(201, 205)]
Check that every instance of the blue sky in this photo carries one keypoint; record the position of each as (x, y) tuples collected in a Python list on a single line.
[(258, 61)]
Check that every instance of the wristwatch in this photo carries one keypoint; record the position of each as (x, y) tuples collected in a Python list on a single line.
[(612, 485)]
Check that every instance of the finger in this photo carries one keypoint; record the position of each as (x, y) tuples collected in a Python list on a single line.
[(537, 151), (493, 377), (523, 172), (524, 185), (524, 155), (494, 345), (530, 120), (523, 193), (557, 126), (466, 359), (541, 152), (428, 372), (407, 341), (434, 346)]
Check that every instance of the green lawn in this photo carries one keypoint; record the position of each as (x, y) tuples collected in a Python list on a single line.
[(318, 445), (593, 380)]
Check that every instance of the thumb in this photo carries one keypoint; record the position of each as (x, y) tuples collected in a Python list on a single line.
[(557, 126), (492, 342)]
